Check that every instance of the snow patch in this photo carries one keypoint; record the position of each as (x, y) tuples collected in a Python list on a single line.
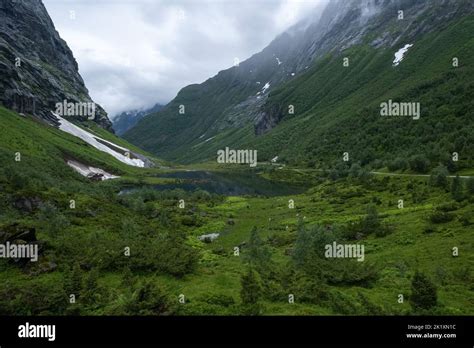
[(278, 61), (72, 129), (89, 172), (267, 86), (274, 159), (400, 54), (209, 139)]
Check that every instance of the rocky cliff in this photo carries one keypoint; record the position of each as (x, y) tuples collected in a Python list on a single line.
[(37, 68)]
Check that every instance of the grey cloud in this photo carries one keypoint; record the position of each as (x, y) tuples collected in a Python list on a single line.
[(135, 53)]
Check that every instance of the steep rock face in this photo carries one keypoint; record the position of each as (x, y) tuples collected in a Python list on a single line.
[(37, 68)]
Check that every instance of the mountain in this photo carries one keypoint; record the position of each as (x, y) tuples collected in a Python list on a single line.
[(128, 119), (336, 107), (37, 68)]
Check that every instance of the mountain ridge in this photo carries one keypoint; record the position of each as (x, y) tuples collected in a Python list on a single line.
[(227, 108), (37, 68)]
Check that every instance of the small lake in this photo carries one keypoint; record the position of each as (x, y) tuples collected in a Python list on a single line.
[(229, 184)]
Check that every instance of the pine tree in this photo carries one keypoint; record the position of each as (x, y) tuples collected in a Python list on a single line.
[(73, 280), (128, 279), (423, 292), (303, 241), (251, 292), (148, 299), (371, 222), (257, 254), (470, 186), (457, 189), (91, 291)]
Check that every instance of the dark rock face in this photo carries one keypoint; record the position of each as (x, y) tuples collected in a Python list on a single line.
[(128, 119), (18, 234), (37, 68), (27, 204)]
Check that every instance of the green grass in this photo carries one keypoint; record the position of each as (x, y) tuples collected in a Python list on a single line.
[(96, 233)]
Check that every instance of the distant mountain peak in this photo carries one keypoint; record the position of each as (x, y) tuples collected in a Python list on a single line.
[(128, 119)]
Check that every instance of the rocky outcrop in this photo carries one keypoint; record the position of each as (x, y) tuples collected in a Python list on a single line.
[(20, 235), (37, 68), (268, 119)]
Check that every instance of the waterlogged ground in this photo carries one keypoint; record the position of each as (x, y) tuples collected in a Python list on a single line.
[(228, 184)]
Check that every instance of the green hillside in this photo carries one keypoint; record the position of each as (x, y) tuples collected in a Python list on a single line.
[(337, 109), (83, 248)]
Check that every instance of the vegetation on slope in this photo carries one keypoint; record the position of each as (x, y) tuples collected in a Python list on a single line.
[(84, 249), (337, 109)]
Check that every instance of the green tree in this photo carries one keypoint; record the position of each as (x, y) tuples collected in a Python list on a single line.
[(355, 170), (148, 299), (251, 292), (53, 220), (73, 280), (470, 186), (457, 189), (257, 254), (174, 256), (93, 294), (423, 292), (439, 176), (371, 222), (303, 240), (419, 164), (128, 280), (398, 164)]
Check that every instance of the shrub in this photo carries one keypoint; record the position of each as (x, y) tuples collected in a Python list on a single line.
[(219, 300), (52, 218), (250, 292), (148, 299), (457, 189), (384, 230), (174, 256), (439, 177), (419, 164), (257, 253), (470, 186), (449, 206), (429, 229), (439, 217), (466, 219), (398, 164), (371, 222), (423, 292)]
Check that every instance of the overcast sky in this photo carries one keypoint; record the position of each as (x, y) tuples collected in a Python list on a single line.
[(135, 53)]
